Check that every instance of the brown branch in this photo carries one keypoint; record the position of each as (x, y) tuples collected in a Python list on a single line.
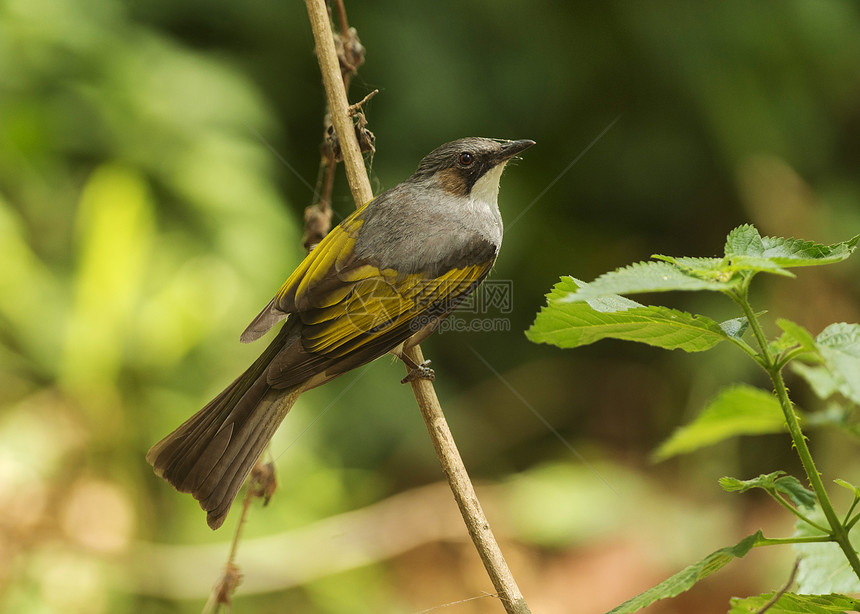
[(464, 492), (359, 184), (341, 16), (355, 108), (776, 597), (425, 394), (261, 486), (350, 53)]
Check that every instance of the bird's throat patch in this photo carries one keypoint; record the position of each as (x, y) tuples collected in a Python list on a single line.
[(486, 188)]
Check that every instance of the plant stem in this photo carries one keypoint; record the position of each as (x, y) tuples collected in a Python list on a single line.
[(742, 299), (791, 355), (796, 512), (425, 395), (849, 512), (464, 492), (338, 104), (838, 532)]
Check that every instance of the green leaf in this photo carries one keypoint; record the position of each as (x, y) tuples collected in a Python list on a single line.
[(773, 483), (724, 269), (792, 603), (573, 324), (736, 327), (781, 344), (685, 579), (646, 277), (755, 264), (798, 334), (709, 269), (745, 241), (765, 480), (796, 252), (800, 496), (839, 345), (739, 410), (849, 486), (823, 567), (746, 251)]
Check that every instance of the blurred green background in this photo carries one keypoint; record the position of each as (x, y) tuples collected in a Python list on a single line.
[(155, 160)]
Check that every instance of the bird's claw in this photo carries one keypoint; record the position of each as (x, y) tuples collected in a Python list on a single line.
[(422, 371)]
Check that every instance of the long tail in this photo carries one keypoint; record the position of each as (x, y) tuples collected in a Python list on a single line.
[(212, 452)]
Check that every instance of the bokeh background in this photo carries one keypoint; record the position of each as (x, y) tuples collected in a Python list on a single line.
[(155, 160)]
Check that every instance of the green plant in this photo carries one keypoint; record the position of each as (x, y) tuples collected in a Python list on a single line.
[(579, 314)]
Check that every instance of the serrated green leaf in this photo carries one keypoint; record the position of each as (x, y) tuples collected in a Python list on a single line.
[(797, 252), (765, 480), (693, 264), (685, 579), (792, 603), (746, 251), (724, 269), (800, 335), (708, 269), (823, 567), (730, 484), (839, 346), (772, 482), (569, 325), (744, 241), (740, 410), (645, 277)]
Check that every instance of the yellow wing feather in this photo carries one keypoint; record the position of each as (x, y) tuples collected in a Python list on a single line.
[(335, 249), (353, 311), (384, 304)]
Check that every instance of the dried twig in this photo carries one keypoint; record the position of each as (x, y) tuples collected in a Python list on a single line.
[(332, 78), (350, 53), (791, 577), (354, 108), (425, 394), (261, 486)]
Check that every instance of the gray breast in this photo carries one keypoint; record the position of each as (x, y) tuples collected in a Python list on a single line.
[(411, 232)]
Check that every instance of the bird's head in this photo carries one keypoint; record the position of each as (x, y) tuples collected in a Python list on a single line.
[(470, 167)]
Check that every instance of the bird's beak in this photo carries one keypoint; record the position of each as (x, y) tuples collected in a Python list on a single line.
[(512, 148)]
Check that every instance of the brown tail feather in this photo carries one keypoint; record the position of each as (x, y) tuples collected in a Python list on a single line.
[(212, 452)]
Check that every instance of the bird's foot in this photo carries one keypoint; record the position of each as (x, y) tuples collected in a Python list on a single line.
[(422, 371)]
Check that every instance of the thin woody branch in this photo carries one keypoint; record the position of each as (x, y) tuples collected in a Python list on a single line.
[(425, 394), (338, 104)]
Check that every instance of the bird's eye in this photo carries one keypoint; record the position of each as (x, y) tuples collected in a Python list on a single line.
[(466, 158)]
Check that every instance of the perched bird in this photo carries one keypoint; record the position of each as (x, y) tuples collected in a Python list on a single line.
[(379, 282)]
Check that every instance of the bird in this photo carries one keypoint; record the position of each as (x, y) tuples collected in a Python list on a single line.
[(380, 282)]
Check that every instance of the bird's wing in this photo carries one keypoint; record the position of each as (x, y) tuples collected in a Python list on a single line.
[(352, 311), (380, 310), (311, 282)]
